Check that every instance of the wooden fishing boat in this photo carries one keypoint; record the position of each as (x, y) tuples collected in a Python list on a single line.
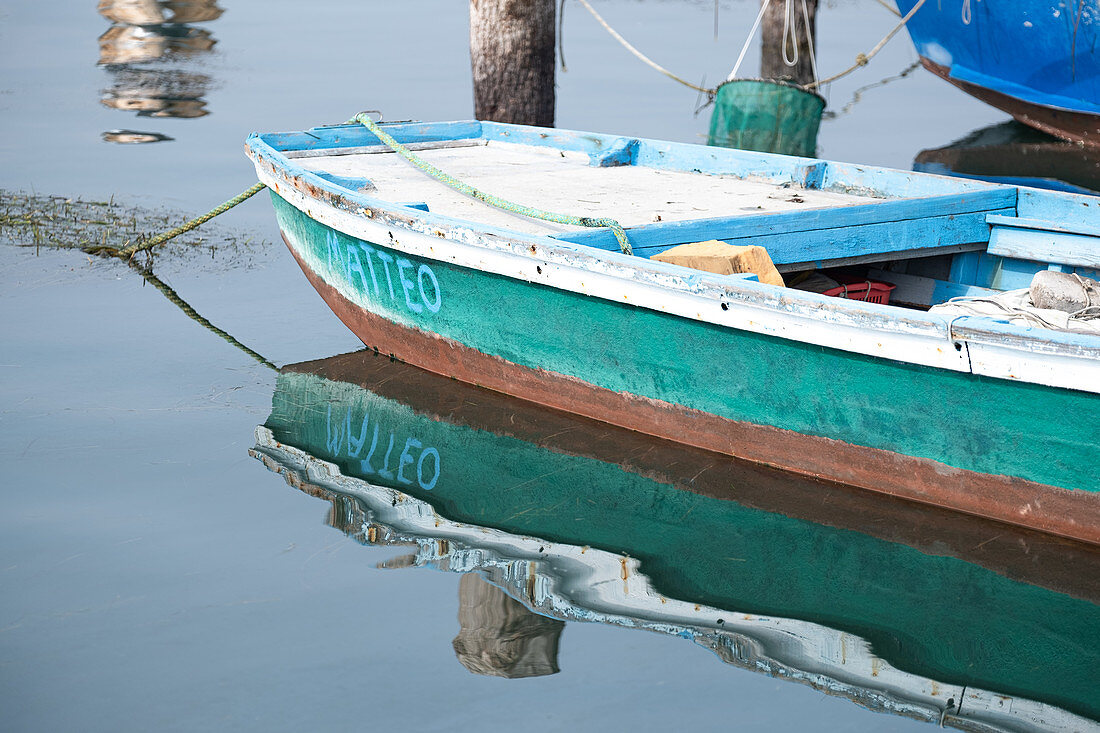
[(1034, 59), (972, 413), (929, 614)]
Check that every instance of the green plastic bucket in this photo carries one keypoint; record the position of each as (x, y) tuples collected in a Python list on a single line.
[(769, 116)]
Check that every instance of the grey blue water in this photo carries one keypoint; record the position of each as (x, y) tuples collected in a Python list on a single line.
[(152, 575)]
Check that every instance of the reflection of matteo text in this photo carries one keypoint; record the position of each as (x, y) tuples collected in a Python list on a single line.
[(342, 440)]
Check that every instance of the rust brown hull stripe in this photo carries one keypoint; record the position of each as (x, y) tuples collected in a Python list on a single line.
[(1073, 514)]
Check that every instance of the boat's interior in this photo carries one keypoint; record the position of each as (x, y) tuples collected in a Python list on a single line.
[(564, 181), (823, 224)]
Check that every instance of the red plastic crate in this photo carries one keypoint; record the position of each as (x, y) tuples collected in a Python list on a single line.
[(871, 291)]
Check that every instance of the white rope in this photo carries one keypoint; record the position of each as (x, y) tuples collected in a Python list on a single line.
[(789, 31), (639, 54), (1091, 310), (953, 340), (889, 7), (790, 34), (863, 58), (966, 12), (1028, 314), (810, 38), (1010, 311), (748, 41)]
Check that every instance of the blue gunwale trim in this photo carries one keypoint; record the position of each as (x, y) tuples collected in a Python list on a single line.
[(1051, 184)]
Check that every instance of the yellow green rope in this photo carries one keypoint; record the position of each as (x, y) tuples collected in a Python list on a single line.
[(128, 252), (175, 299), (465, 188)]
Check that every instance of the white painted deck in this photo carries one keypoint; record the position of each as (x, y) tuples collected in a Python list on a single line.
[(564, 182)]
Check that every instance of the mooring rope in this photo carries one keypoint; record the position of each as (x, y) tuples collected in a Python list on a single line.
[(748, 40), (650, 62), (889, 7), (863, 58), (788, 30), (126, 253), (561, 36), (584, 221), (810, 40), (175, 299)]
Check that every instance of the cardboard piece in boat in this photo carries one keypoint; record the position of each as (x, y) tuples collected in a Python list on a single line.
[(723, 259)]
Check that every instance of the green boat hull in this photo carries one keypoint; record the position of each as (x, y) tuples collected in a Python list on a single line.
[(949, 420)]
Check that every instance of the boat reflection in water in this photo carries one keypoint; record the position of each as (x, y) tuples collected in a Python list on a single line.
[(1018, 155), (147, 37), (900, 608)]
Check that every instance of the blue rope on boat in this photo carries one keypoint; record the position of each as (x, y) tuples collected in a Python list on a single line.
[(583, 221)]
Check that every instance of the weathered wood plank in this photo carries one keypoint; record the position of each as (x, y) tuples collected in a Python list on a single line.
[(581, 142), (352, 183), (888, 182), (1003, 273), (1066, 208), (558, 180), (1027, 242), (877, 256), (873, 242), (1092, 229)]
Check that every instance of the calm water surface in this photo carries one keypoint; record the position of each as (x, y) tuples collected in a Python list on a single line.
[(152, 574)]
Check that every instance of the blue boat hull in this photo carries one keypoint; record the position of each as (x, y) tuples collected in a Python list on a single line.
[(1034, 59)]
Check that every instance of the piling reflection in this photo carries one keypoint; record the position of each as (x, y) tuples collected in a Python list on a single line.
[(158, 93), (902, 609), (146, 50), (159, 12), (500, 636), (1016, 154), (125, 44)]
